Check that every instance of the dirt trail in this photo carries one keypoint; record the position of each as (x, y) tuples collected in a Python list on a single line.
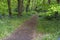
[(26, 31)]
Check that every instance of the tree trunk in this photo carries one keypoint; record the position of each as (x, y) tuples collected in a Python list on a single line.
[(58, 1), (43, 1), (9, 7), (20, 7), (49, 1), (27, 7)]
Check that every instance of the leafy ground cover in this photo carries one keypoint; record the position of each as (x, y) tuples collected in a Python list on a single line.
[(51, 28), (7, 25)]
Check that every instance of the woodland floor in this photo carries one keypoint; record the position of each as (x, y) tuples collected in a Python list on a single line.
[(26, 31)]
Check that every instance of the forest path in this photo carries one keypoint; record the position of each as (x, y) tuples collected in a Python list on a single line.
[(26, 31)]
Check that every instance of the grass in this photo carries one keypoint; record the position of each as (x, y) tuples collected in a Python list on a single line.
[(7, 25), (51, 28)]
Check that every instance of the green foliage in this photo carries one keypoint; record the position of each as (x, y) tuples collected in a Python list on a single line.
[(50, 29), (47, 11)]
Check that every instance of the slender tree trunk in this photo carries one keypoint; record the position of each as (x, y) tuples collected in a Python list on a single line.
[(9, 7), (58, 1), (49, 1), (20, 7), (27, 7), (43, 1)]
